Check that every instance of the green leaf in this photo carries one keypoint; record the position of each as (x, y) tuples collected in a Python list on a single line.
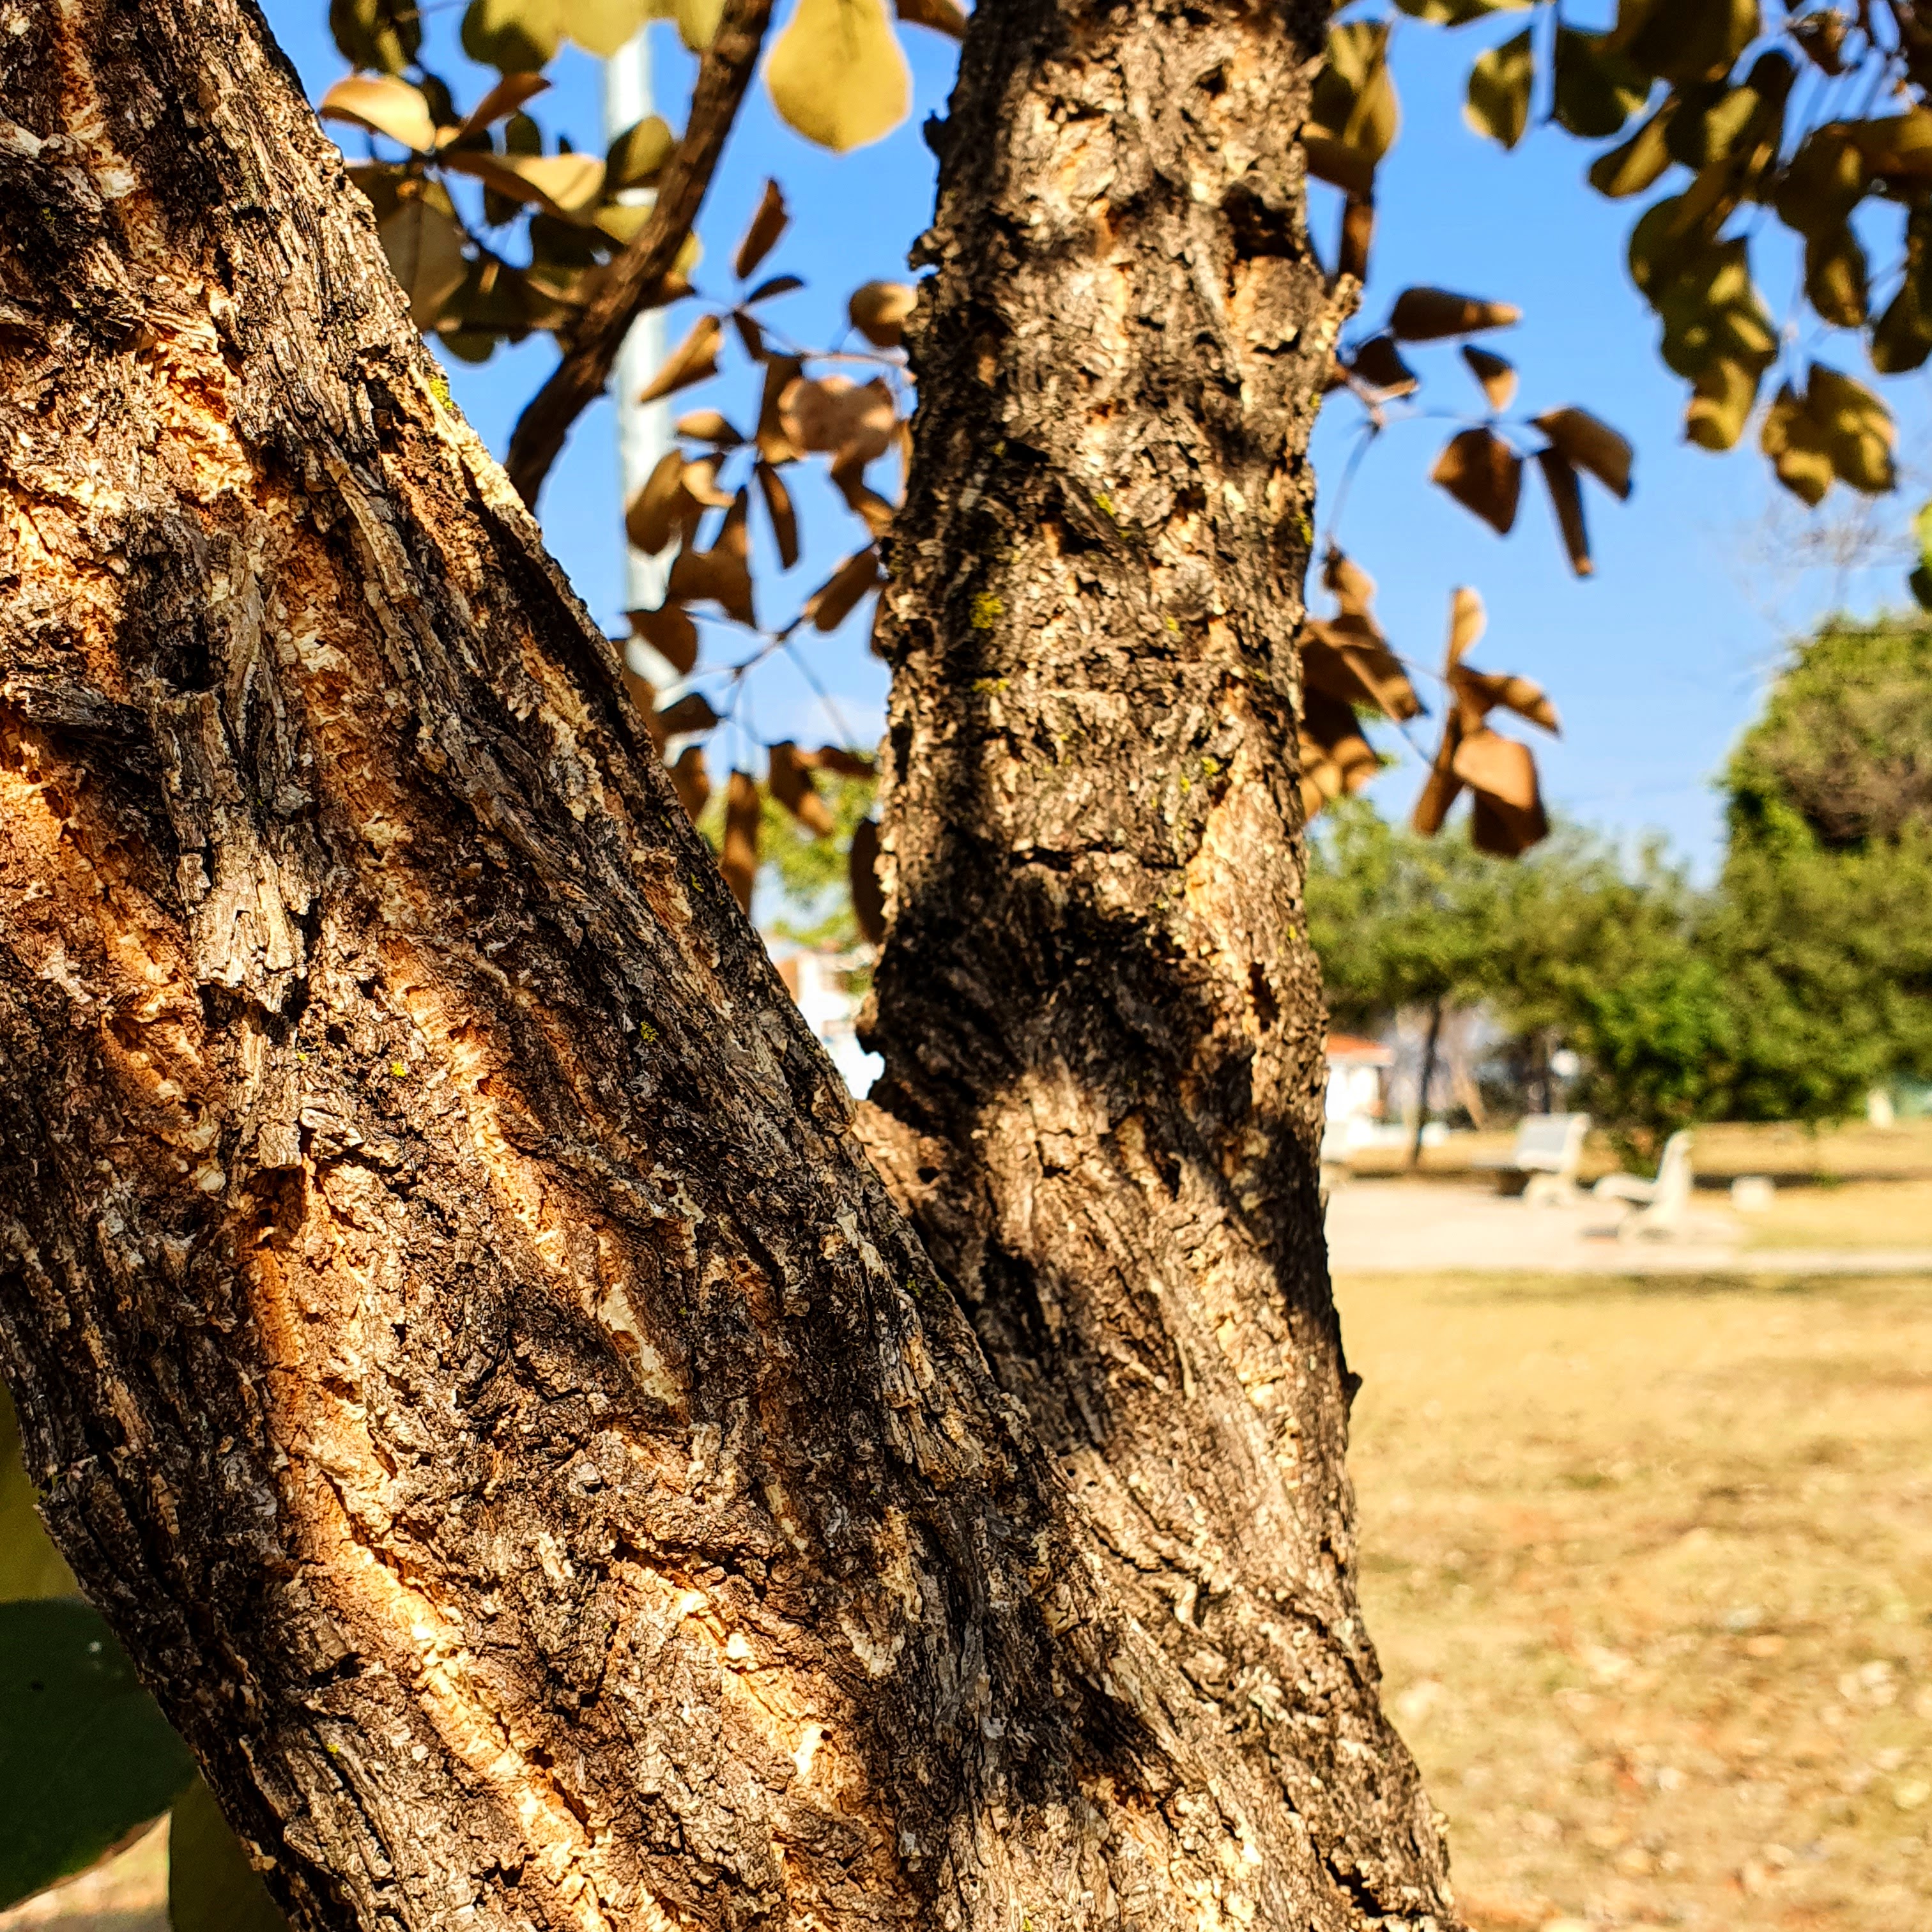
[(513, 36), (1353, 108), (1634, 166), (837, 75), (1722, 399), (1597, 89), (30, 1565), (1500, 84), (85, 1754), (384, 35), (1835, 277), (212, 1886), (1686, 40), (1823, 182), (1920, 583), (638, 155)]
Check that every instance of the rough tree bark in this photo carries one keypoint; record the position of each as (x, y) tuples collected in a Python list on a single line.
[(1102, 1025), (467, 1355)]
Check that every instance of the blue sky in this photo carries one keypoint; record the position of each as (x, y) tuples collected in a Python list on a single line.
[(1656, 663)]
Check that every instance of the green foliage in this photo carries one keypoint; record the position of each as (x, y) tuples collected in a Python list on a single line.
[(85, 1754), (212, 1886), (30, 1565), (1802, 980)]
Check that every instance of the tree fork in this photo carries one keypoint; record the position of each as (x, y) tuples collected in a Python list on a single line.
[(465, 1353)]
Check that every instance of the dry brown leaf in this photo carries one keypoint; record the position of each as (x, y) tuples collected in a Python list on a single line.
[(773, 287), (739, 861), (1346, 659), (670, 633), (1347, 582), (774, 445), (1566, 499), (837, 758), (691, 712), (661, 509), (693, 358), (692, 781), (1478, 692), (1358, 236), (778, 507), (1442, 787), (1429, 315), (1503, 832), (1467, 620), (723, 573), (878, 310), (503, 100), (793, 786), (1486, 761), (701, 483), (768, 223), (1591, 445), (869, 899), (861, 499), (852, 421), (829, 606), (1484, 475), (567, 186), (1336, 756), (709, 426), (751, 333), (1495, 373), (384, 105), (943, 17), (1378, 365)]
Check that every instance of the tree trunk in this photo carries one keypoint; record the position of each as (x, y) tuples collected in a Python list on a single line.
[(1432, 1042), (467, 1354), (1102, 1021)]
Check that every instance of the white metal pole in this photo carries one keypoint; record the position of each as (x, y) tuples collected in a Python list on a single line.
[(643, 429)]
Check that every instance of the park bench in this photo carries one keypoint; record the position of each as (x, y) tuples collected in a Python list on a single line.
[(1653, 1207), (1548, 1152)]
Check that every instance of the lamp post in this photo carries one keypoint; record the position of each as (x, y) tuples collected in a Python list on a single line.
[(643, 429)]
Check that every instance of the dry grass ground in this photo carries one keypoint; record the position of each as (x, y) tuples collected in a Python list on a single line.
[(1650, 1566)]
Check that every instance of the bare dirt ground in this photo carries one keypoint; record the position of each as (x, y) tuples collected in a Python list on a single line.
[(1650, 1567)]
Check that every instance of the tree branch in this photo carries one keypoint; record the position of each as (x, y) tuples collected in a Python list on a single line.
[(636, 278)]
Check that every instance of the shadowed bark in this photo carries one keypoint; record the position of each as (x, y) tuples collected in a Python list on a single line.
[(467, 1355)]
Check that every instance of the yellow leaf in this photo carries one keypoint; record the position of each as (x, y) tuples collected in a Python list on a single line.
[(601, 27), (638, 155), (837, 74), (384, 105), (565, 185), (697, 22), (1467, 620)]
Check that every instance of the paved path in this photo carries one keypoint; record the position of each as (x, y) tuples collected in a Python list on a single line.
[(1418, 1227)]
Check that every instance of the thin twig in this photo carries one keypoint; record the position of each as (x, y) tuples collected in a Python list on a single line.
[(636, 279)]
